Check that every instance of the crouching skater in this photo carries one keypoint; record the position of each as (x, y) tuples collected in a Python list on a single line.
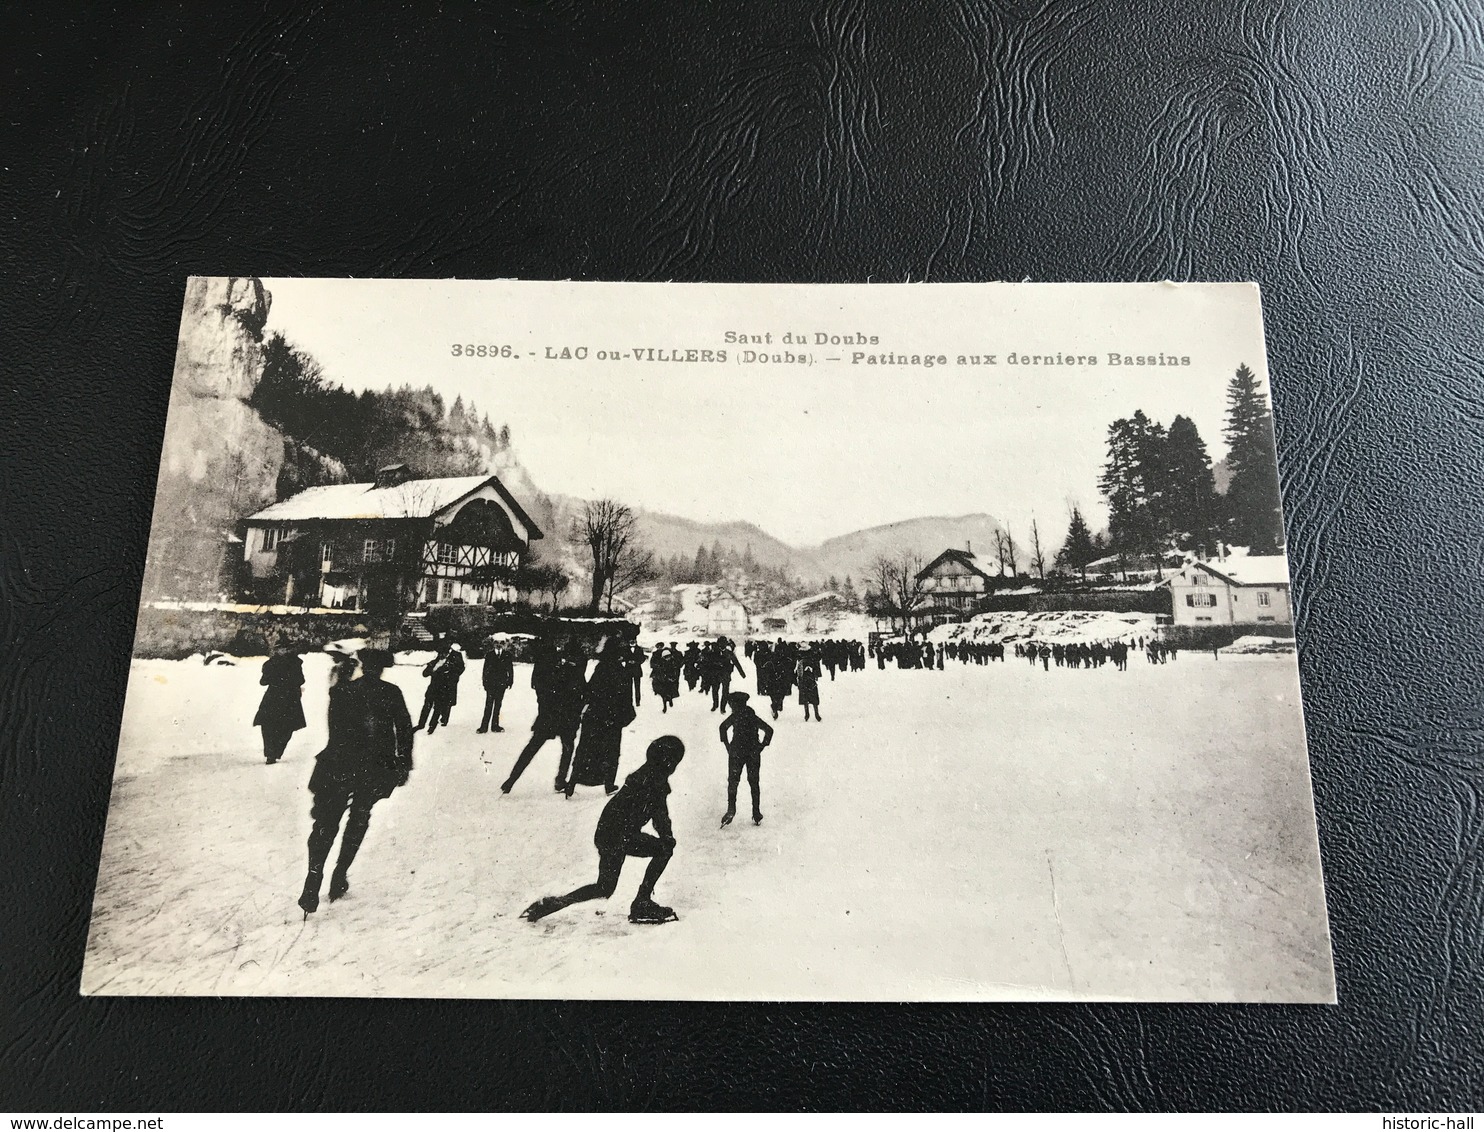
[(620, 834)]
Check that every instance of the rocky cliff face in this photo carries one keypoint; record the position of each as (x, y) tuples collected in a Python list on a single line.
[(221, 461)]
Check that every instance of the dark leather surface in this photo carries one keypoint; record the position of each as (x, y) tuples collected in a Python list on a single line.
[(1331, 151)]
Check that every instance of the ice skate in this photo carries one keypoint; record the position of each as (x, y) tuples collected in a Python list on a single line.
[(648, 912), (726, 818), (757, 819), (543, 908), (339, 886), (309, 898)]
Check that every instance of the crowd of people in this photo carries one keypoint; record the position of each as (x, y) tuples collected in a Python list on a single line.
[(369, 751)]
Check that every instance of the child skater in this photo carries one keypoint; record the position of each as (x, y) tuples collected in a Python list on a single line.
[(620, 835), (749, 735)]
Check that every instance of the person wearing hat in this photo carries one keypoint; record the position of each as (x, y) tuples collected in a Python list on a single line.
[(497, 677), (608, 710), (557, 677), (620, 835), (281, 711), (443, 673), (369, 754), (744, 735), (806, 676)]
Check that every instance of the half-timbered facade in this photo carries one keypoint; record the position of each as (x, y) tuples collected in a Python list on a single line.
[(391, 546)]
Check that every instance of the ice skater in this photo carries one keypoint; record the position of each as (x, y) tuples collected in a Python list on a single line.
[(607, 712), (807, 679), (749, 734), (369, 754), (443, 673), (497, 676), (558, 680), (620, 834), (281, 711)]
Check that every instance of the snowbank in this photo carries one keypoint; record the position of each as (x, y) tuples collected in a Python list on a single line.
[(1261, 646), (1073, 626)]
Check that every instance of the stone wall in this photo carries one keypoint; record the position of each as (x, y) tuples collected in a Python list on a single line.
[(171, 634)]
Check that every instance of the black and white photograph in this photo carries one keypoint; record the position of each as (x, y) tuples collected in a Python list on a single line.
[(869, 642)]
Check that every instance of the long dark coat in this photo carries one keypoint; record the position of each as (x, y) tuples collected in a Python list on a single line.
[(610, 708), (370, 743), (281, 708)]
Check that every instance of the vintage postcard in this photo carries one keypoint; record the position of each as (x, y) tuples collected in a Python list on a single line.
[(683, 641)]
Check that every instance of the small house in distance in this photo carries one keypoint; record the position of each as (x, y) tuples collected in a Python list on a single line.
[(711, 609), (953, 585), (390, 546), (1240, 590)]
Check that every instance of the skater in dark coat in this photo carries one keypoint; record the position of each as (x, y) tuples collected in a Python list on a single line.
[(620, 835), (780, 679), (744, 735), (558, 681), (498, 675), (443, 673), (609, 709), (807, 678), (691, 665), (723, 662), (281, 711), (369, 754)]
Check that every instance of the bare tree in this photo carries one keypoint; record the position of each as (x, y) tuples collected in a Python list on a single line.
[(897, 585), (609, 530), (1038, 559), (634, 567), (1005, 550)]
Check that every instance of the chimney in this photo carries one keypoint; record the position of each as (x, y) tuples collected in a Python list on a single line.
[(969, 547), (392, 475)]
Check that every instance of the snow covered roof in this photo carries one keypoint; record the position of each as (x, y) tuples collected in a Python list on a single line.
[(964, 558), (1251, 570), (411, 499)]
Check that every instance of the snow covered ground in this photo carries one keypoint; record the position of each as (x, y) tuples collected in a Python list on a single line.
[(983, 832), (1063, 627)]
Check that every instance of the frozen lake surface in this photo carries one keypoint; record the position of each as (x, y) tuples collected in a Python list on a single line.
[(984, 832)]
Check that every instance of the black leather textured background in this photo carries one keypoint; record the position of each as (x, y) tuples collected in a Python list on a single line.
[(1330, 149)]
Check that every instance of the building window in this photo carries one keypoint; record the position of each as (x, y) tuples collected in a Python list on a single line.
[(379, 550), (1264, 598), (448, 553), (1200, 601), (272, 536)]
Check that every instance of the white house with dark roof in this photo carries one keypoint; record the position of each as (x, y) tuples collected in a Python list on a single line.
[(396, 544), (953, 584), (1240, 590)]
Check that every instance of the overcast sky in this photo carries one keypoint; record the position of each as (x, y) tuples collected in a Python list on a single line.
[(805, 452)]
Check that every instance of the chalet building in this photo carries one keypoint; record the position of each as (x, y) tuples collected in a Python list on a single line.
[(711, 609), (392, 546), (953, 585), (1251, 589)]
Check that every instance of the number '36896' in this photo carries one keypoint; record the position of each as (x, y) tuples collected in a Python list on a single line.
[(481, 350)]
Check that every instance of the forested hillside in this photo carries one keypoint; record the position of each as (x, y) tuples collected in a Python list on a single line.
[(367, 430)]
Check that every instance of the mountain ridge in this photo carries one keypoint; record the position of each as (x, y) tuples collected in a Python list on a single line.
[(669, 535)]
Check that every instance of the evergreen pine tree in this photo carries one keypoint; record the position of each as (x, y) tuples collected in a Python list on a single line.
[(1079, 548), (1133, 482), (1190, 489), (1253, 505)]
